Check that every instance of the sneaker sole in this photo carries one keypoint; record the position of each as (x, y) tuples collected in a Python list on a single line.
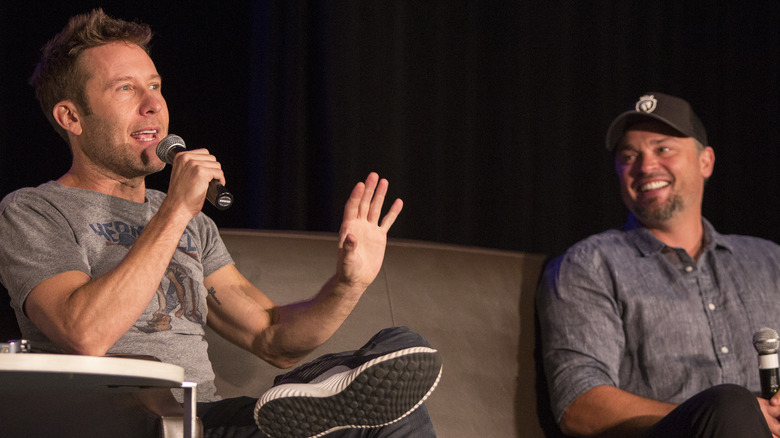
[(377, 393)]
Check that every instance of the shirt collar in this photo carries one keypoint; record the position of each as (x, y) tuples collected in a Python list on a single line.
[(647, 244)]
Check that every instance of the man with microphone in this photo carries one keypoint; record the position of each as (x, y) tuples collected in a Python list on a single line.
[(647, 330), (94, 261)]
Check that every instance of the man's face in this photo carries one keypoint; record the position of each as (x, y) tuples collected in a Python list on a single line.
[(128, 115), (661, 174)]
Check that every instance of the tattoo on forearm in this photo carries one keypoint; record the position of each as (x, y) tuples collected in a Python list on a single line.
[(213, 294)]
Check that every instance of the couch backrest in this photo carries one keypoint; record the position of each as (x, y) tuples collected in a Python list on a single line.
[(474, 305)]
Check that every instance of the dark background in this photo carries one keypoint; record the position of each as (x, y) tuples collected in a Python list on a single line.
[(487, 117)]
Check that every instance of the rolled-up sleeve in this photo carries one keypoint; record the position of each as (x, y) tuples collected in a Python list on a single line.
[(581, 329)]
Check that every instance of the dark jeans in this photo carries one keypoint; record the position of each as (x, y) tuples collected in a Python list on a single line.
[(720, 411), (234, 417)]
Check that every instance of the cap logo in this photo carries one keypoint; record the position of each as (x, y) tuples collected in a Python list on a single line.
[(646, 103)]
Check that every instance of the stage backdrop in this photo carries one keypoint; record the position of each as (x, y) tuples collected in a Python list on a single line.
[(487, 117)]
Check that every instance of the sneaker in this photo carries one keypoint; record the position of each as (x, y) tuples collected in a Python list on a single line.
[(378, 392)]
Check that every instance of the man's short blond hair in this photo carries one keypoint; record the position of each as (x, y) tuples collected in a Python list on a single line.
[(60, 76)]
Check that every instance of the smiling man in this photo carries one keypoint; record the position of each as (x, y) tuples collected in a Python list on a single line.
[(647, 330)]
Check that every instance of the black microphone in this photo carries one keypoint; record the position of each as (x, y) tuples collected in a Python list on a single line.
[(217, 194), (766, 343)]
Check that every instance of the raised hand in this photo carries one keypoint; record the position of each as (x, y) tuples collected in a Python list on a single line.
[(363, 237)]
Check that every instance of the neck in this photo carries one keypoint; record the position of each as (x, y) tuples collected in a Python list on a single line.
[(681, 232), (130, 189)]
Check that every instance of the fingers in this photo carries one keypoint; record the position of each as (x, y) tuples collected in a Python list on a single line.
[(392, 214), (375, 205), (367, 199), (351, 208), (191, 174), (771, 413), (199, 163)]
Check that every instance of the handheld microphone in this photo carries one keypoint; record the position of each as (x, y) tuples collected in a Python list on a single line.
[(217, 194), (766, 343)]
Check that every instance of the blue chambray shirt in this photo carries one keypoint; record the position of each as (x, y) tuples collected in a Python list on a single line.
[(621, 308)]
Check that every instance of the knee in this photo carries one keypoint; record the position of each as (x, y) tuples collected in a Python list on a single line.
[(728, 396), (729, 402), (720, 411)]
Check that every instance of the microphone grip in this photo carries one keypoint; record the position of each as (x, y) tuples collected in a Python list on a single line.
[(219, 196), (770, 381)]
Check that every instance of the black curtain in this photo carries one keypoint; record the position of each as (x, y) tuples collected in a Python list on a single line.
[(487, 117)]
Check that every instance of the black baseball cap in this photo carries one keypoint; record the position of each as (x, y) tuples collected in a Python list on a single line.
[(670, 110)]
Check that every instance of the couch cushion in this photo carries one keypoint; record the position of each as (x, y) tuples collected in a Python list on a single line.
[(474, 305)]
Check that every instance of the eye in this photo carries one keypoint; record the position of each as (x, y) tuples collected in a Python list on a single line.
[(126, 87), (155, 86), (626, 157)]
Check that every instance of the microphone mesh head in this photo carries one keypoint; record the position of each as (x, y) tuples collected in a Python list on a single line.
[(165, 145), (766, 341)]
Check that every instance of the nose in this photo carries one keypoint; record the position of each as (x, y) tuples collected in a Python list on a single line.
[(152, 102), (645, 163)]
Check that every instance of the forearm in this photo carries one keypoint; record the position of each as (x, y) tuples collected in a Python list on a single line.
[(283, 335), (297, 329), (300, 328), (611, 412), (88, 316)]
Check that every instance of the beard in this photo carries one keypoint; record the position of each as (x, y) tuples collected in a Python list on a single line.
[(657, 212), (116, 158)]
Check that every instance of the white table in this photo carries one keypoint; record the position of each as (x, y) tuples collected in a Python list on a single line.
[(25, 376)]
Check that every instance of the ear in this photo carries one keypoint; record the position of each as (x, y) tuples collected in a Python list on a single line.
[(707, 161), (67, 115)]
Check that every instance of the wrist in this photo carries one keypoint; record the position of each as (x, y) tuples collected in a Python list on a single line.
[(343, 287), (174, 213)]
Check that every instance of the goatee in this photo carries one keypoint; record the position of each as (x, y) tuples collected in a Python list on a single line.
[(654, 213)]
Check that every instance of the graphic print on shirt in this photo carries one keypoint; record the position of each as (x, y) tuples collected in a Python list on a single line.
[(176, 297)]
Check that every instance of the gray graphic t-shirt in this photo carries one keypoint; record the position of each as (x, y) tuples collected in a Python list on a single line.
[(53, 229)]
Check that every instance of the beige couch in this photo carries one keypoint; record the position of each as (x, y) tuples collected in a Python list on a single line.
[(474, 305)]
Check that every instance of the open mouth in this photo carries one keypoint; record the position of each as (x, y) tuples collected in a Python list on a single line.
[(146, 135)]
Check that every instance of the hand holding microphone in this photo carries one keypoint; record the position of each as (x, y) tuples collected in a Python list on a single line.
[(766, 343), (217, 194)]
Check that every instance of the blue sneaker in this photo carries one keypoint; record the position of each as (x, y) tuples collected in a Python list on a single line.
[(359, 391)]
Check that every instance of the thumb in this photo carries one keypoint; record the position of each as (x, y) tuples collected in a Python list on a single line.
[(350, 243)]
